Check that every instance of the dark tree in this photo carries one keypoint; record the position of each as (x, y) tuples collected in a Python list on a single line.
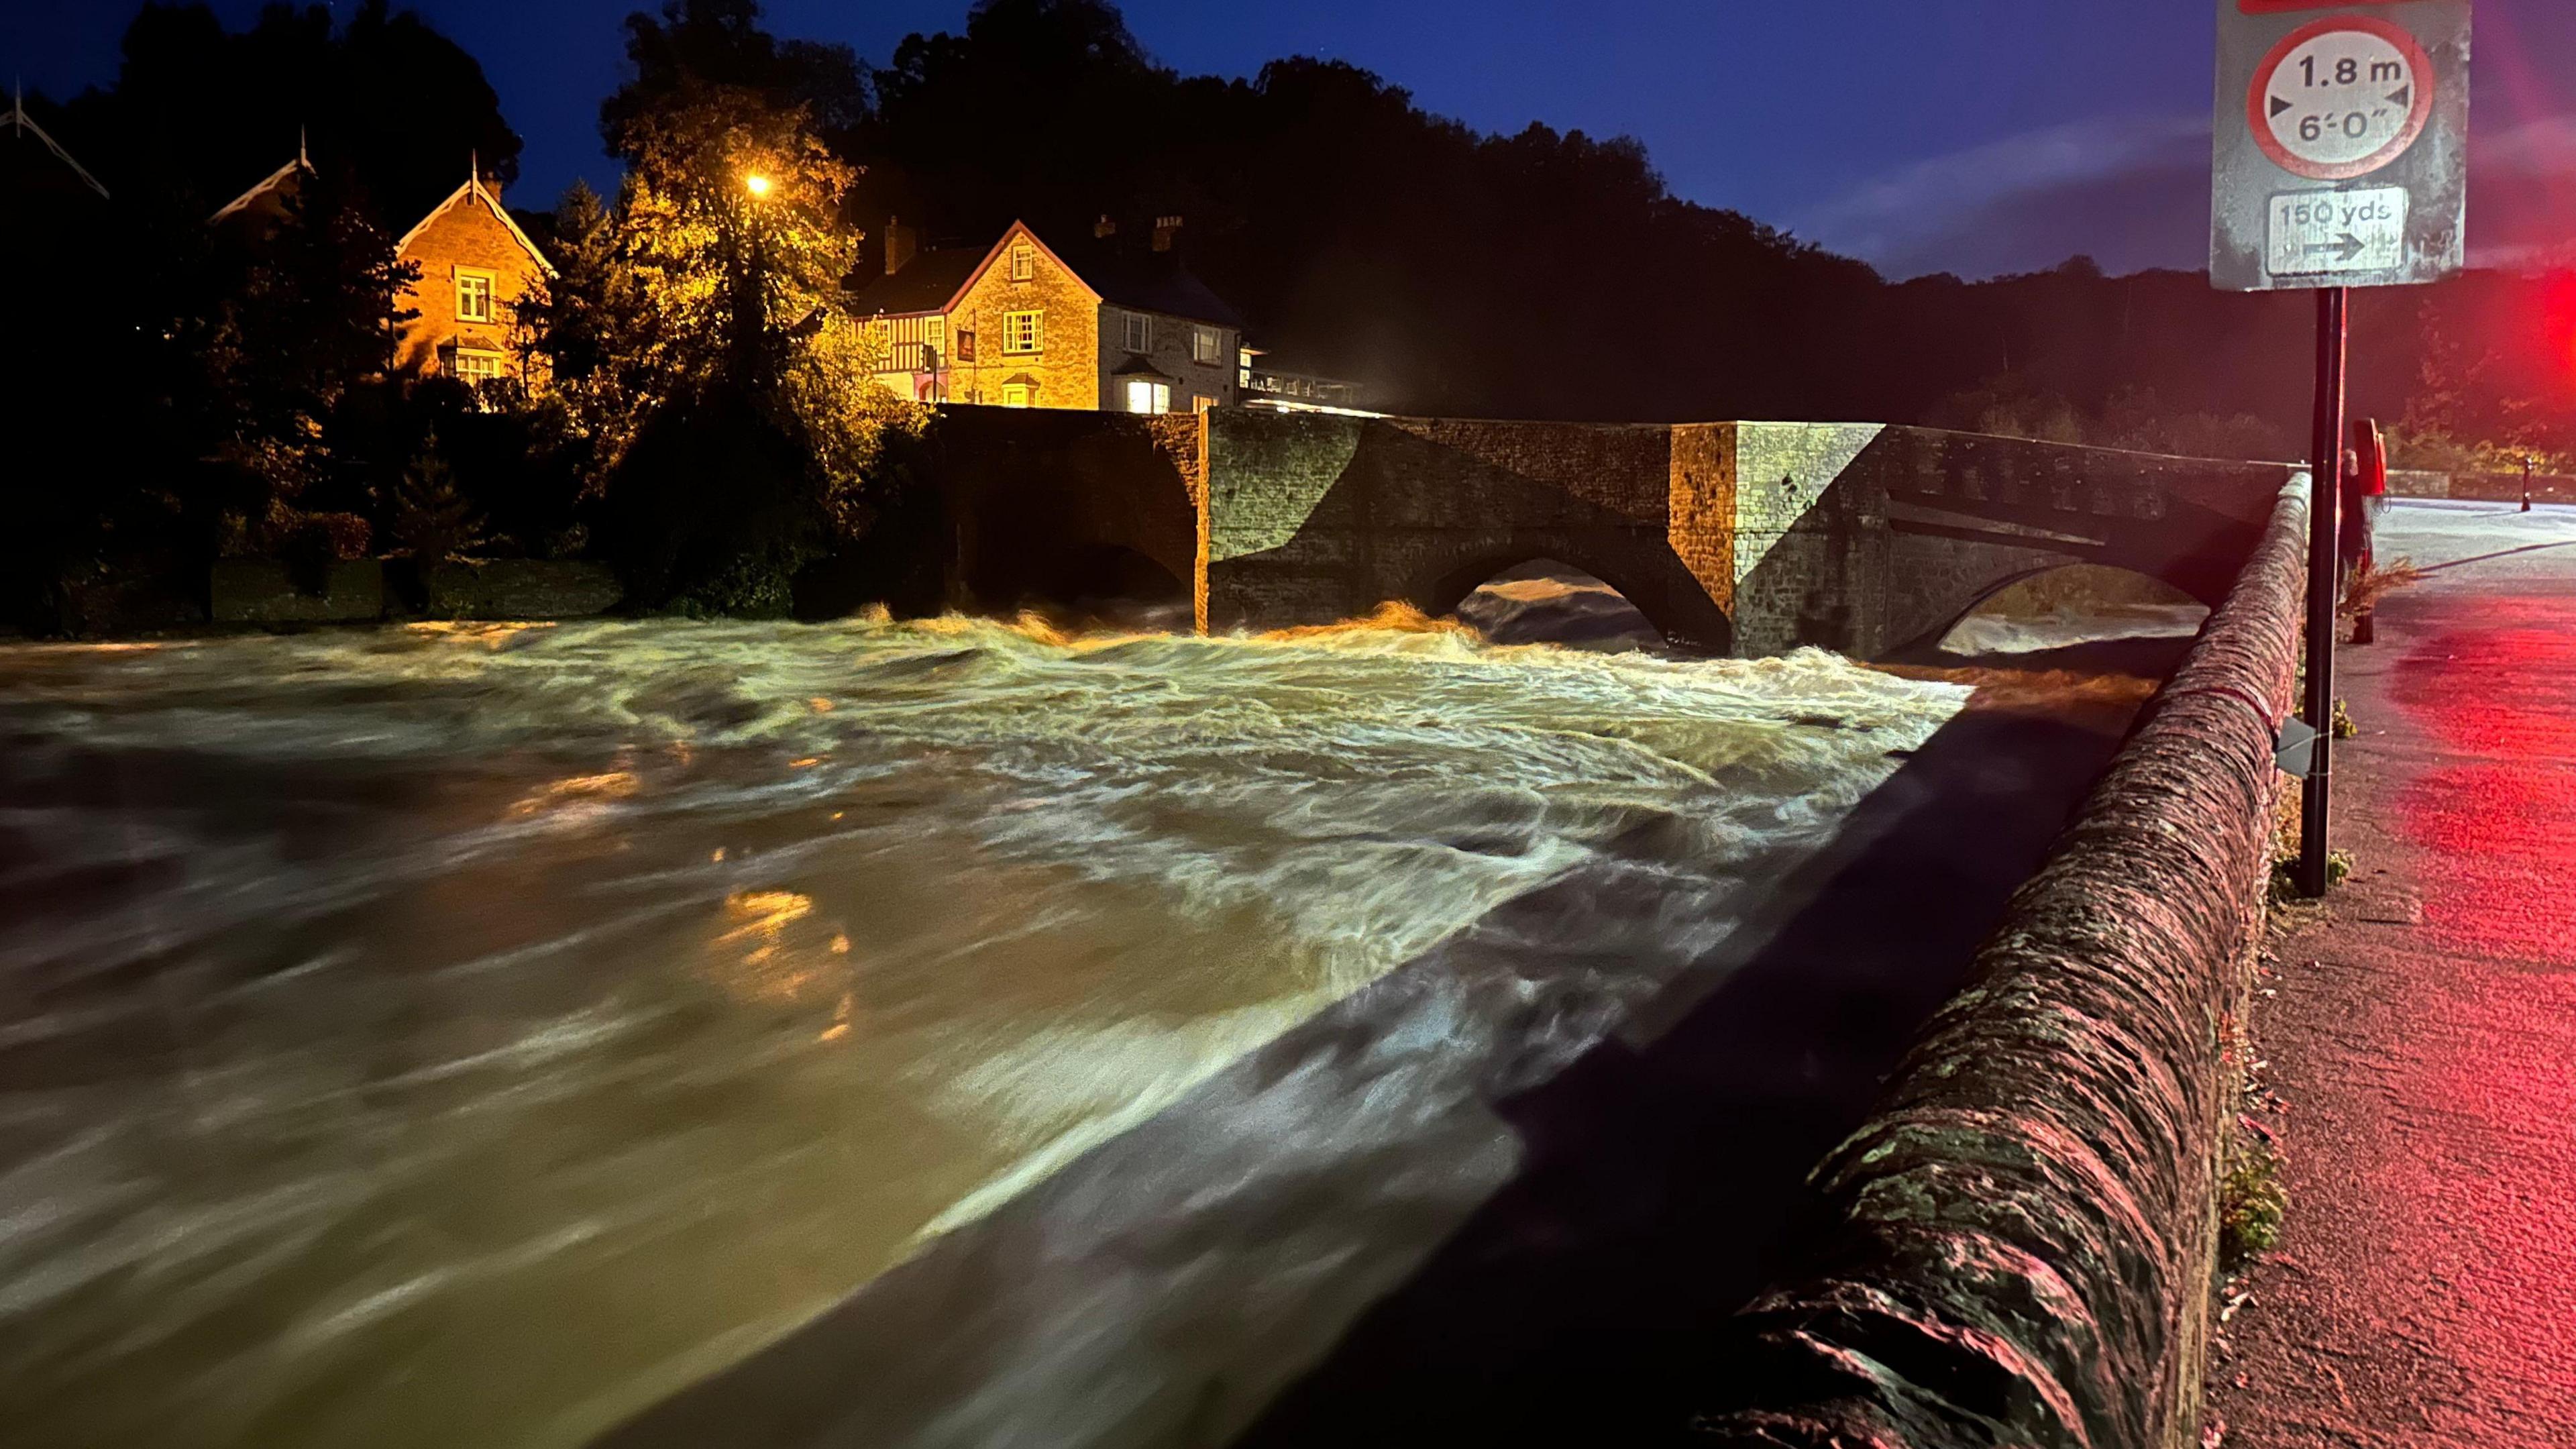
[(198, 113), (697, 44)]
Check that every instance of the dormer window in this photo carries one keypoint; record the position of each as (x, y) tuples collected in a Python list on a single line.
[(1024, 262), (474, 294)]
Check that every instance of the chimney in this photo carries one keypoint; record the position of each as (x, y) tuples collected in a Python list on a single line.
[(901, 242), (1103, 229), (1167, 232)]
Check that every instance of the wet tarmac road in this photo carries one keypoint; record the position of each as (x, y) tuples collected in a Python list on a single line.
[(2423, 1037)]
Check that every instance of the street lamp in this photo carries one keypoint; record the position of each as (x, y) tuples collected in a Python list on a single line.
[(757, 184)]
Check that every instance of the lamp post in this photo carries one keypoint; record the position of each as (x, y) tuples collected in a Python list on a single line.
[(751, 284)]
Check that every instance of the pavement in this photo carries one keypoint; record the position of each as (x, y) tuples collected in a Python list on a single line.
[(2420, 1029)]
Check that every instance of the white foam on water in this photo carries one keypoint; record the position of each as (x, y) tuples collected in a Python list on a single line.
[(2032, 634), (469, 1034)]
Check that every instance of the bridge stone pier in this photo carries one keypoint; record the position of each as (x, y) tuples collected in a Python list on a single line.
[(1745, 538)]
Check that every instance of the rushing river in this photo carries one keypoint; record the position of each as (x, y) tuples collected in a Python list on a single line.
[(470, 1035)]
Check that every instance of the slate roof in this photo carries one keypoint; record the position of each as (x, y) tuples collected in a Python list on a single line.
[(1150, 282), (927, 283)]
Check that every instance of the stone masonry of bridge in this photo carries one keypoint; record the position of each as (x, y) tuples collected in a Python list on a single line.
[(1748, 538), (1730, 537)]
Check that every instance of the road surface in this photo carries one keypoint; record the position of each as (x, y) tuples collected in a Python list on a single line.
[(2423, 1038)]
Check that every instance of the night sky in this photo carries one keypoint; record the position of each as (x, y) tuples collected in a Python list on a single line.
[(1976, 136)]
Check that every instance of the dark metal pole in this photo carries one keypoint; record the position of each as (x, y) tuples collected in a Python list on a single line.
[(2526, 482), (2325, 581)]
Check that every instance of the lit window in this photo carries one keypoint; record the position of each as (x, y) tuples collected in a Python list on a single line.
[(1023, 331), (1203, 404), (1140, 332), (478, 366), (934, 330), (473, 295), (1206, 345), (1144, 396), (1015, 395), (1024, 262)]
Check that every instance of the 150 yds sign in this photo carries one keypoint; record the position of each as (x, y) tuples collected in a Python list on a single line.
[(2341, 157)]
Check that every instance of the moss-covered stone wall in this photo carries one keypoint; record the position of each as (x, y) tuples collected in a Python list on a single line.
[(2017, 1249)]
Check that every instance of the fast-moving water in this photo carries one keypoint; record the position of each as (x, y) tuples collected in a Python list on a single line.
[(469, 1035)]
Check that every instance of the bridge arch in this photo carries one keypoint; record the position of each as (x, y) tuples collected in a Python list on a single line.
[(2105, 601), (1549, 601), (1650, 579)]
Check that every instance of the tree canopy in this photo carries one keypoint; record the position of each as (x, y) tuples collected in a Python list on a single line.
[(199, 112)]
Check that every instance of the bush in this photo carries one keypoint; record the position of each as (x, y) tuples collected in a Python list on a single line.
[(432, 522)]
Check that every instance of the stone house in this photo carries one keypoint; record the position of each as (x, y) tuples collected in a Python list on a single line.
[(1021, 324), (475, 263)]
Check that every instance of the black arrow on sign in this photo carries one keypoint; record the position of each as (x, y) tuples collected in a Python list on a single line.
[(2278, 106), (2405, 96)]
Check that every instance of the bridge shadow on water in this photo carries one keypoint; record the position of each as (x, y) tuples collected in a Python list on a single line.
[(1661, 1184)]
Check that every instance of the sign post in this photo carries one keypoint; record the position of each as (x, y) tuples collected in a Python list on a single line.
[(2340, 161)]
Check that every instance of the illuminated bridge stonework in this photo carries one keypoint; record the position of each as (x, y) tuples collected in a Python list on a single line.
[(1749, 538)]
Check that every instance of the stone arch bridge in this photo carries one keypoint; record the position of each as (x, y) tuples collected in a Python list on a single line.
[(1744, 538)]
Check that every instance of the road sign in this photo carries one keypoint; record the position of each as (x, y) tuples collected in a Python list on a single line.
[(2341, 157), (2331, 235)]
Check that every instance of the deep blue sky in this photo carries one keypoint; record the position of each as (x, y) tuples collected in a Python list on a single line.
[(1968, 135)]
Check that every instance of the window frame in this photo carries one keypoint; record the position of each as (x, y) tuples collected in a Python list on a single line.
[(491, 292), (1023, 262), (1156, 395), (1140, 332), (481, 358), (1207, 345), (1033, 334), (1028, 395)]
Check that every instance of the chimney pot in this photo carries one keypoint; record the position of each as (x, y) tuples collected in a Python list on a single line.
[(1104, 229), (900, 243), (1167, 230)]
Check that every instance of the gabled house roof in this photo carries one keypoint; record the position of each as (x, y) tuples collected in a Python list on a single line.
[(23, 127), (474, 193), (273, 183), (880, 298), (936, 281)]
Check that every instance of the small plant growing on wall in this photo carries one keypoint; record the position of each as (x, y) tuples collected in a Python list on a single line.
[(2251, 1203)]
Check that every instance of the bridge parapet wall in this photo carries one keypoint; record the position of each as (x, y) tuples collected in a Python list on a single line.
[(1750, 537), (2018, 1247)]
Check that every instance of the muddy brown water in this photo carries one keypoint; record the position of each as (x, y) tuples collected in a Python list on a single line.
[(482, 1034)]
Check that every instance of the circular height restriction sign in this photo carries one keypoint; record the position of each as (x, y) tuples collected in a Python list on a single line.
[(2340, 98)]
